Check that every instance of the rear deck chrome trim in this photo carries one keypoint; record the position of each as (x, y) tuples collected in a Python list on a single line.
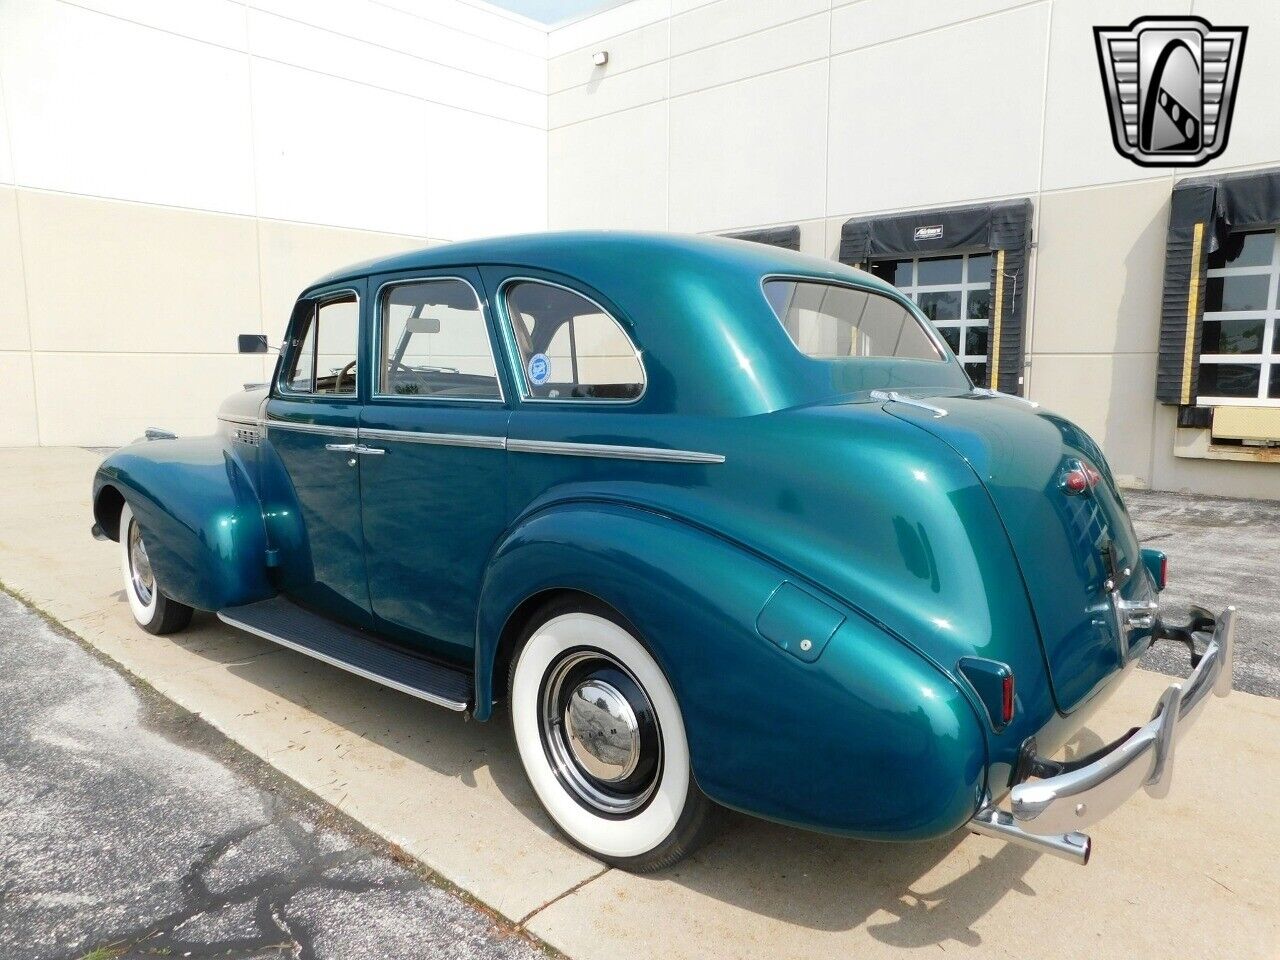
[(343, 665), (613, 451)]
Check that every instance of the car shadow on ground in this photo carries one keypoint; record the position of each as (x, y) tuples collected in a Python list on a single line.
[(905, 894)]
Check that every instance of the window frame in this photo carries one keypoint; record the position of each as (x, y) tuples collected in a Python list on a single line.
[(893, 294), (318, 300), (1268, 358), (375, 368), (518, 361), (964, 287)]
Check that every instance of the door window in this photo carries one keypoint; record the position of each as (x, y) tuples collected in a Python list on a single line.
[(570, 348), (324, 359), (434, 342)]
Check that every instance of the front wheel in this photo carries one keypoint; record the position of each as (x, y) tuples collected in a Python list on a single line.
[(602, 740), (154, 611)]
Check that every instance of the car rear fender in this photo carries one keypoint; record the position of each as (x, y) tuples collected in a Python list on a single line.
[(199, 511), (855, 734)]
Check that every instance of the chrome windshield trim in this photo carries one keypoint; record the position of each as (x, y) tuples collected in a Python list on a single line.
[(438, 439), (613, 451), (317, 428)]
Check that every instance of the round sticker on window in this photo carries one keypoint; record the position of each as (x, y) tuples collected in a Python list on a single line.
[(539, 369)]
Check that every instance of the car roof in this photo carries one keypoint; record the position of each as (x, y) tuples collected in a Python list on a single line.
[(630, 251)]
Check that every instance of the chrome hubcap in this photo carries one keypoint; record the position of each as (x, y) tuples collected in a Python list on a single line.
[(600, 733), (144, 581), (603, 732)]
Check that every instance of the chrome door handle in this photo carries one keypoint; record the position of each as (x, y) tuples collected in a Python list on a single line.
[(341, 447), (364, 451)]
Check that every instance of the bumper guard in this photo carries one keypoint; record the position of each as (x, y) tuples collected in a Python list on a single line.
[(1046, 814)]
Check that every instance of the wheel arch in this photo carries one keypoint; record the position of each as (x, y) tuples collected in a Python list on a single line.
[(795, 727)]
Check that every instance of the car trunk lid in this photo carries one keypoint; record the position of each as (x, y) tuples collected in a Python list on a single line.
[(1061, 534)]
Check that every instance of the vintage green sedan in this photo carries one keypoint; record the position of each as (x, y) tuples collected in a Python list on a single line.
[(718, 524)]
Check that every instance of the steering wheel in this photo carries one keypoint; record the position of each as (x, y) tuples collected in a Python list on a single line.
[(337, 382), (423, 386)]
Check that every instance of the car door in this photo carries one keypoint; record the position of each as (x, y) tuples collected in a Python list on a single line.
[(312, 476), (435, 503)]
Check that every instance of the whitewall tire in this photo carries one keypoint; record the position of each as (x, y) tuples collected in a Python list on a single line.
[(602, 738), (154, 611)]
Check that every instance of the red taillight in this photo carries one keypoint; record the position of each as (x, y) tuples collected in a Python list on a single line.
[(1006, 698), (1164, 571), (1075, 481), (1092, 475)]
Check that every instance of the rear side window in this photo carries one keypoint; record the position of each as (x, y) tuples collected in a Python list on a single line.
[(828, 321), (435, 343), (324, 361), (570, 348)]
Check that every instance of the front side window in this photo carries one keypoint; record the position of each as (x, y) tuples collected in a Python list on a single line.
[(830, 322), (955, 294), (1239, 355), (434, 342), (324, 359), (570, 349)]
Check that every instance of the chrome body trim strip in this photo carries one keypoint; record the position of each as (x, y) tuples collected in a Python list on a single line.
[(241, 421), (612, 451), (342, 665), (1144, 760), (896, 397), (317, 428), (439, 439)]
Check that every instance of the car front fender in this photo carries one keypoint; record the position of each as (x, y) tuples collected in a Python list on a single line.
[(199, 511), (868, 738)]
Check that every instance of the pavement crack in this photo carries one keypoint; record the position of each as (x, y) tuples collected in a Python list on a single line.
[(520, 924)]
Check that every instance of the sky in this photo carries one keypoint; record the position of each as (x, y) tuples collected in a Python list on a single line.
[(553, 11)]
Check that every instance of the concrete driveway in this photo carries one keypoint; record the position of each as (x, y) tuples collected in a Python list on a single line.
[(1193, 875)]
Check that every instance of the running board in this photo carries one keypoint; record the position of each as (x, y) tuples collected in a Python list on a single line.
[(289, 625)]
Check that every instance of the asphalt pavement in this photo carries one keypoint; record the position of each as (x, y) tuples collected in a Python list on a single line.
[(1221, 551), (131, 828)]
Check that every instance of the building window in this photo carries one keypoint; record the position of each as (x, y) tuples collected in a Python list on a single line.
[(1239, 353), (954, 293)]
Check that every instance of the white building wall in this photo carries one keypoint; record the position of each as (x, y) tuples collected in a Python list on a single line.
[(726, 115), (172, 174)]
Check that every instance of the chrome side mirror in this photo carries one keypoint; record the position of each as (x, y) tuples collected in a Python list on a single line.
[(253, 343)]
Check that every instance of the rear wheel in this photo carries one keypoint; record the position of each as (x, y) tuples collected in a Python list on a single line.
[(602, 739), (154, 611)]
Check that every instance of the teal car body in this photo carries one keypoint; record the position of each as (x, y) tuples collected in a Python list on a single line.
[(835, 563)]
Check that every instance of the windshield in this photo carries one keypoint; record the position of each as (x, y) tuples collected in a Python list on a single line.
[(829, 321)]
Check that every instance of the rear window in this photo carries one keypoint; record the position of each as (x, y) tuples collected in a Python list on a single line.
[(828, 321)]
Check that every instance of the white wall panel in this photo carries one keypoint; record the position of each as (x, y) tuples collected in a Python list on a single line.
[(394, 30), (626, 52), (13, 289), (323, 51), (17, 401), (480, 20), (6, 163), (101, 106), (906, 132), (484, 176), (870, 22), (751, 152), (1255, 127), (728, 19), (1078, 149), (336, 152), (800, 41), (610, 172), (213, 21), (608, 94), (609, 23)]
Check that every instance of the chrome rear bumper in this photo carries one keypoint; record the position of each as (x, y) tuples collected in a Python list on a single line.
[(1047, 813)]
